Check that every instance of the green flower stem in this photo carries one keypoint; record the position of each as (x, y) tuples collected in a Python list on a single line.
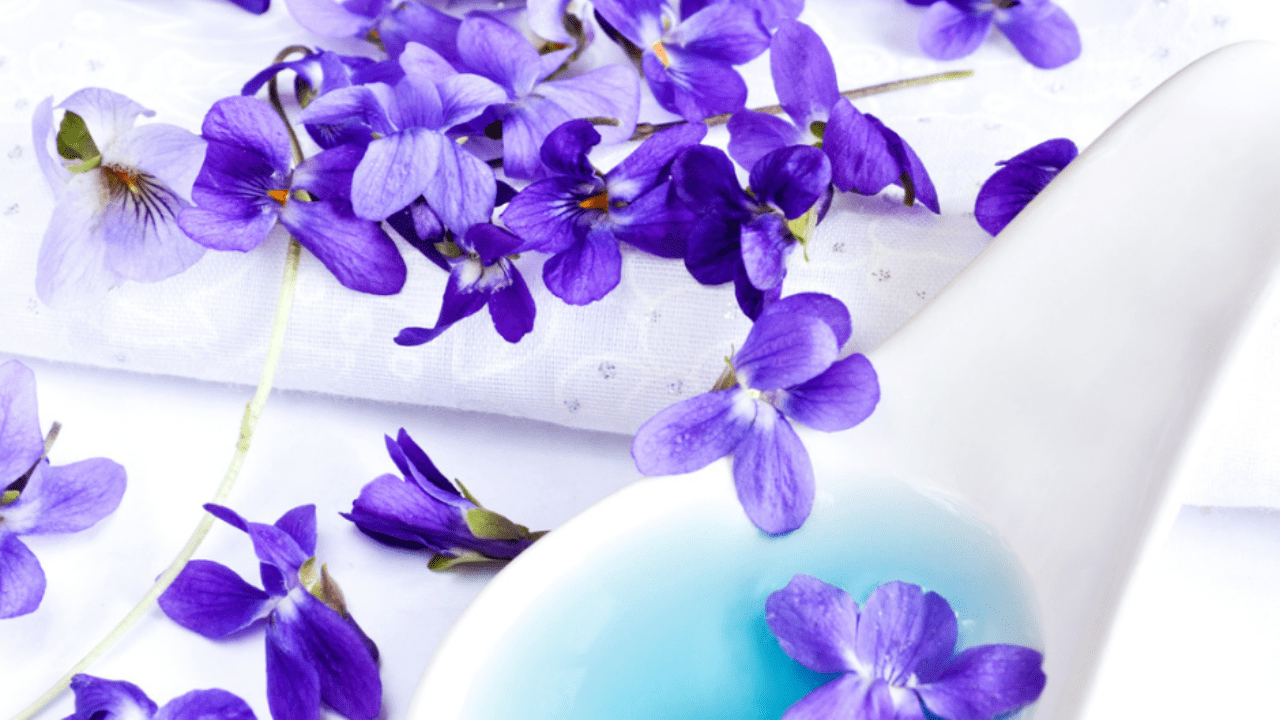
[(251, 413), (644, 130)]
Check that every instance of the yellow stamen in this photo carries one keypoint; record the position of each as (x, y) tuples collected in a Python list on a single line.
[(124, 177), (596, 202), (661, 52), (279, 196)]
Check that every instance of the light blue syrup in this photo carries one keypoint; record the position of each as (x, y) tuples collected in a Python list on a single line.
[(671, 625)]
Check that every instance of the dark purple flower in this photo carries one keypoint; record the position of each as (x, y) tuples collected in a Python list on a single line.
[(481, 273), (866, 156), (315, 650), (1039, 29), (246, 187), (787, 367), (534, 105), (37, 498), (895, 654), (316, 74), (1023, 176), (257, 7), (743, 237), (118, 190), (410, 155), (688, 60), (424, 510), (98, 699), (580, 215)]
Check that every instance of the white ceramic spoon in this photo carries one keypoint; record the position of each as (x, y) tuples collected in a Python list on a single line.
[(1052, 387)]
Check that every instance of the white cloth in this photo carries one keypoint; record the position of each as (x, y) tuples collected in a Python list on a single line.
[(659, 337)]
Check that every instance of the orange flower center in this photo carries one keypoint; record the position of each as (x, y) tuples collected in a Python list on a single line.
[(596, 202), (120, 177), (279, 196), (661, 52)]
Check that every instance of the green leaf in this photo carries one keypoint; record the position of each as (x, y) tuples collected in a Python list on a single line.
[(74, 141), (489, 525), (441, 561)]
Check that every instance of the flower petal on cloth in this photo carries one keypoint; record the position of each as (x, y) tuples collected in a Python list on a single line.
[(71, 268), (949, 33), (293, 683), (765, 245), (512, 308), (548, 214), (803, 73), (348, 676), (783, 350), (725, 31), (66, 498), (1007, 192), (772, 474), (656, 222), (791, 179), (985, 681), (752, 135), (1056, 154), (824, 307), (212, 704), (328, 19), (168, 153), (249, 124), (848, 696), (694, 86), (209, 598), (840, 397), (693, 433), (860, 157), (21, 579), (815, 623), (910, 165), (462, 189), (44, 138), (462, 298), (395, 169), (1043, 33), (21, 442), (115, 699), (143, 239), (903, 631), (356, 251), (587, 270)]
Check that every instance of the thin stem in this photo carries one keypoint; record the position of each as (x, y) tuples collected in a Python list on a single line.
[(273, 92), (251, 413), (644, 130)]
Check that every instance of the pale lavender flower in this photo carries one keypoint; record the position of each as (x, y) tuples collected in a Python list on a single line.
[(37, 498), (118, 190), (896, 655)]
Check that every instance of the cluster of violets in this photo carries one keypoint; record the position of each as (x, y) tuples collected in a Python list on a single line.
[(469, 139)]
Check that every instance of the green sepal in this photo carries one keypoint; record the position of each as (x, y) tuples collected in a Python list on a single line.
[(489, 525), (85, 166), (303, 91), (818, 128), (449, 249), (309, 576), (467, 493), (7, 497), (728, 378), (441, 561), (74, 141), (322, 587), (909, 188)]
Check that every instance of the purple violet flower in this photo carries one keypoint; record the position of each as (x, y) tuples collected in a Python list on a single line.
[(744, 237), (118, 190), (1023, 176), (866, 157), (424, 510), (316, 74), (98, 699), (1041, 31), (338, 18), (37, 498), (315, 650), (534, 105), (481, 273), (580, 215), (896, 654), (688, 59), (787, 367), (410, 155), (257, 7), (246, 187)]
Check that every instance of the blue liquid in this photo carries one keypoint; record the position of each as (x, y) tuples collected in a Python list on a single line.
[(671, 625)]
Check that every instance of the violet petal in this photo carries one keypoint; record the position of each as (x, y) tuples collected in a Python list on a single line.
[(496, 51), (212, 704), (416, 465), (462, 188), (21, 442), (803, 73), (840, 397), (824, 307), (694, 86), (356, 251), (766, 242), (461, 299), (585, 271), (300, 524), (860, 157), (548, 213), (293, 683), (1007, 192), (905, 631), (249, 124), (328, 18), (949, 33), (21, 579), (99, 698), (814, 623), (784, 349), (985, 681), (71, 268), (693, 433), (565, 149), (723, 31), (211, 599), (791, 179), (1043, 33), (512, 308), (66, 498), (752, 135), (395, 169), (649, 164), (772, 474), (848, 696), (348, 676)]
